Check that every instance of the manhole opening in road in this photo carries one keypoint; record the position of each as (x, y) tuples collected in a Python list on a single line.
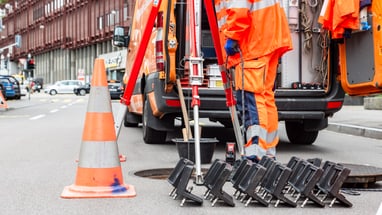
[(160, 173)]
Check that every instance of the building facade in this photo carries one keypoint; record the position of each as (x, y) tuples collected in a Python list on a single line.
[(62, 36)]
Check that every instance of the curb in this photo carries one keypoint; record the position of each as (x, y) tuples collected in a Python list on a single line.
[(356, 130)]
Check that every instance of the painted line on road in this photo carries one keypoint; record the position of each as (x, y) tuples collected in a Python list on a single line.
[(13, 116), (37, 117), (54, 110), (379, 212), (64, 106)]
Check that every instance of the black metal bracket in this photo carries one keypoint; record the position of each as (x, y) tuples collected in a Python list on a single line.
[(331, 182), (182, 191), (250, 183), (303, 181), (220, 171), (213, 172), (239, 175), (176, 173), (274, 186)]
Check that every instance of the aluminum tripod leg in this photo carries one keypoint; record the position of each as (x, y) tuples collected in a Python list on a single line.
[(208, 4), (118, 121)]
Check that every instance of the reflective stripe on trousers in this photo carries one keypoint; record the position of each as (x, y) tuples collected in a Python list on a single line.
[(261, 117)]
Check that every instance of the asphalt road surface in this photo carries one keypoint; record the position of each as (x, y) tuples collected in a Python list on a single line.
[(40, 141)]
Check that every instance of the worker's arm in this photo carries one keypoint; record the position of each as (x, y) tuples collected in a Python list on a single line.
[(238, 21)]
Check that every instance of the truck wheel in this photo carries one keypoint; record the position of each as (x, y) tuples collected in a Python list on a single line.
[(128, 122), (150, 135), (297, 135)]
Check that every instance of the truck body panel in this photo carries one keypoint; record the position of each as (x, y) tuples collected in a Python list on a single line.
[(307, 90), (361, 55)]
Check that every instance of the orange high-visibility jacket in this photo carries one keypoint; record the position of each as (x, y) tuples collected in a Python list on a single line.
[(260, 27), (338, 15)]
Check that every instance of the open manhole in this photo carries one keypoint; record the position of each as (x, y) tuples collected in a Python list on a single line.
[(161, 173)]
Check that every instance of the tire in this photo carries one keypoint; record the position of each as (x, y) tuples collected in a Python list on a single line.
[(150, 135), (82, 92), (53, 92), (130, 124), (127, 122), (297, 135)]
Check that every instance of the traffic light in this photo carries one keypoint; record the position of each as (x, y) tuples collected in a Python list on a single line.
[(30, 64)]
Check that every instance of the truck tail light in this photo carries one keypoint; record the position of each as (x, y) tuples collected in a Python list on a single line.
[(334, 105), (159, 43)]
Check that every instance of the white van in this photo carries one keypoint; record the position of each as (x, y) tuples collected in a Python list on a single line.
[(64, 86)]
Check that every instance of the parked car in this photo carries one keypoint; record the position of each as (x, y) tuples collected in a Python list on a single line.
[(64, 86), (15, 83), (116, 89), (82, 90), (8, 86)]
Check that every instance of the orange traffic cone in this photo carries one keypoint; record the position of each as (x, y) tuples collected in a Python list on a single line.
[(99, 172), (3, 102)]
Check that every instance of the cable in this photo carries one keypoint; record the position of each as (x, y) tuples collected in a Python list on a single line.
[(242, 95), (306, 24)]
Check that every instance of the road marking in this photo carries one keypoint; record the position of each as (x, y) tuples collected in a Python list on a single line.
[(54, 111), (13, 116), (37, 117), (379, 212), (64, 106)]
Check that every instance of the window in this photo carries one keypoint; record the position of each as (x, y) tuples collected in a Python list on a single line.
[(100, 22)]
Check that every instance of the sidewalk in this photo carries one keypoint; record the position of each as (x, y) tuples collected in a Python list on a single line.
[(358, 121)]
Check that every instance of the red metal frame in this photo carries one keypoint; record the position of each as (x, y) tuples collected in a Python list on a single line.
[(194, 54)]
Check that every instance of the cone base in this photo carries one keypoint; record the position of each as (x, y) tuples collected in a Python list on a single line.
[(122, 191)]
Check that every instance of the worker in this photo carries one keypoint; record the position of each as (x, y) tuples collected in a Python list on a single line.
[(256, 35)]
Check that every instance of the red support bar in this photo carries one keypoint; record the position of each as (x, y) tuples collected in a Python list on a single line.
[(193, 53), (218, 49), (140, 53)]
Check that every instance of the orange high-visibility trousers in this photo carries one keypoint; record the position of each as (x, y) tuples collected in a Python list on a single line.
[(261, 116)]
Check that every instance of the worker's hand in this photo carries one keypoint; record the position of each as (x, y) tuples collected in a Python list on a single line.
[(231, 47)]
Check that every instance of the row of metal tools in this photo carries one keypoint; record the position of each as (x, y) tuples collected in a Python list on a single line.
[(265, 183)]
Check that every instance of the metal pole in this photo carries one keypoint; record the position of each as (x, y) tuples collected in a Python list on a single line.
[(227, 85), (196, 78)]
